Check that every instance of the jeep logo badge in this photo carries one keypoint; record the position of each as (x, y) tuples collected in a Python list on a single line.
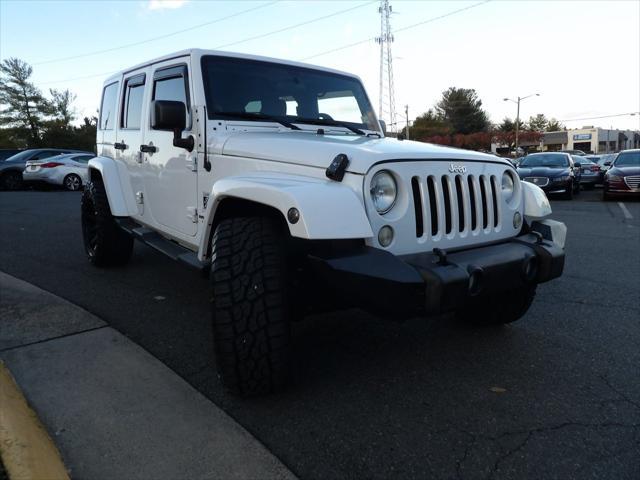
[(453, 168)]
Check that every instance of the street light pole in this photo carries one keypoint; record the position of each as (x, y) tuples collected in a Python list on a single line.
[(517, 102)]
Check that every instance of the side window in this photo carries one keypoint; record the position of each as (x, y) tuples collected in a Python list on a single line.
[(132, 102), (108, 107), (171, 84), (83, 158)]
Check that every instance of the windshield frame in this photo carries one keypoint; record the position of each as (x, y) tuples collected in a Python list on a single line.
[(212, 114)]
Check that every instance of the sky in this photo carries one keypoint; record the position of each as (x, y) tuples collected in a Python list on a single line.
[(582, 57)]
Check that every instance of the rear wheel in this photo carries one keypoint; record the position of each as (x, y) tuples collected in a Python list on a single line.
[(72, 182), (11, 181), (105, 243), (251, 314), (499, 308)]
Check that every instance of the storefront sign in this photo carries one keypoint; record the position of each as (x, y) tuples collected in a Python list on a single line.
[(582, 136)]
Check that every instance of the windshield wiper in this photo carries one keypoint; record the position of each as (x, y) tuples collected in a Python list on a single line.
[(260, 116), (331, 123)]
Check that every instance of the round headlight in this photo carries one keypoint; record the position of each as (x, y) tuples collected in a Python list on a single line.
[(383, 191), (507, 185)]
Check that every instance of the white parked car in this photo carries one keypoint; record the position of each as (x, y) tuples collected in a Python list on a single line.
[(70, 170), (275, 178)]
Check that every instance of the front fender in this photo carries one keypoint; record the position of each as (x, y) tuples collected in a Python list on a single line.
[(328, 210), (121, 199)]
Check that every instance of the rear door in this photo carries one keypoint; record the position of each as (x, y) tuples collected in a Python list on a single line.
[(171, 172), (130, 130)]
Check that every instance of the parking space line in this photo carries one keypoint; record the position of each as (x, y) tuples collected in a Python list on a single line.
[(625, 210)]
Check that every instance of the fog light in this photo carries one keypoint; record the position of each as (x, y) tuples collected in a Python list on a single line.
[(385, 236), (293, 215), (517, 220)]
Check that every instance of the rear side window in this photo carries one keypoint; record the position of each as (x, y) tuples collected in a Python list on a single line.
[(108, 107), (83, 158), (132, 102), (171, 84)]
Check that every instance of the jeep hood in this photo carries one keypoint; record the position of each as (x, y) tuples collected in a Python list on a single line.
[(309, 148)]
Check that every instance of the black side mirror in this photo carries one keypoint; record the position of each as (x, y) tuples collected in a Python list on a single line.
[(171, 115), (577, 164), (607, 163)]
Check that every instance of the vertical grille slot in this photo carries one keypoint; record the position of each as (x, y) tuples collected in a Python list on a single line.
[(417, 205), (460, 196), (446, 194), (472, 198), (433, 206), (483, 199), (494, 195)]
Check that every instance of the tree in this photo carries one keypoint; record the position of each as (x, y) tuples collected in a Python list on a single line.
[(539, 123), (554, 126), (462, 109), (61, 106), (24, 105), (509, 125), (429, 124)]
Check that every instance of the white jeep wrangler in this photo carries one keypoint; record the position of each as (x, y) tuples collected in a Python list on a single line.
[(275, 178)]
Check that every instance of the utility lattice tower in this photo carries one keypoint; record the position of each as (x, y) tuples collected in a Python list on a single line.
[(387, 109)]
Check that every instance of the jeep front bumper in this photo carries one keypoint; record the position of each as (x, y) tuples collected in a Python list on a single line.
[(431, 283)]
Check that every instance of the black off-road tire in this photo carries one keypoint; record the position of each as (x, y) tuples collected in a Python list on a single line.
[(11, 180), (498, 309), (250, 305), (105, 243)]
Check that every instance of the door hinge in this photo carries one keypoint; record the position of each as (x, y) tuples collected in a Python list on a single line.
[(192, 214), (192, 163)]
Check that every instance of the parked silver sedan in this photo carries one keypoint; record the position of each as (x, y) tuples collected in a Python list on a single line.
[(69, 171)]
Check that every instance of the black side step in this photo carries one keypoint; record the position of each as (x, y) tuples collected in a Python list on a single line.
[(163, 245)]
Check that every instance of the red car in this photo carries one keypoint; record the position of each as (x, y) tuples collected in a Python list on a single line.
[(623, 178)]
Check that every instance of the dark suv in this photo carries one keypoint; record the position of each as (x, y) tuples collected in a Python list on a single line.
[(554, 172)]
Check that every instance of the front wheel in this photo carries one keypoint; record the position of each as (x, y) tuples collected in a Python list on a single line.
[(105, 243), (250, 314), (499, 308)]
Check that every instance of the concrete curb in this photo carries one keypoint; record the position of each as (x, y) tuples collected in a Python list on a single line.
[(115, 410), (25, 446)]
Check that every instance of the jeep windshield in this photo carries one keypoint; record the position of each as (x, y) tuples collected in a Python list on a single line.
[(236, 88)]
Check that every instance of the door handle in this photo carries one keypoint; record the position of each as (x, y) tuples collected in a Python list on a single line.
[(120, 146), (148, 148)]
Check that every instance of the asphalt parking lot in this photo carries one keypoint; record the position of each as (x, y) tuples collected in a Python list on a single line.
[(555, 395)]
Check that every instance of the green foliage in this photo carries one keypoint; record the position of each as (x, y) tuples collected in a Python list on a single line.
[(429, 124), (29, 120), (509, 125), (539, 123), (554, 126), (462, 110), (24, 107)]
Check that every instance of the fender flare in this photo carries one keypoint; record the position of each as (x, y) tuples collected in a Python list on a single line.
[(328, 210), (121, 200)]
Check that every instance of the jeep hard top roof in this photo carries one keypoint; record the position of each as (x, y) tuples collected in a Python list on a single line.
[(197, 53)]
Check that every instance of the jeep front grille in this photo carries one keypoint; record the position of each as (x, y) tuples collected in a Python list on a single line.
[(448, 205)]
